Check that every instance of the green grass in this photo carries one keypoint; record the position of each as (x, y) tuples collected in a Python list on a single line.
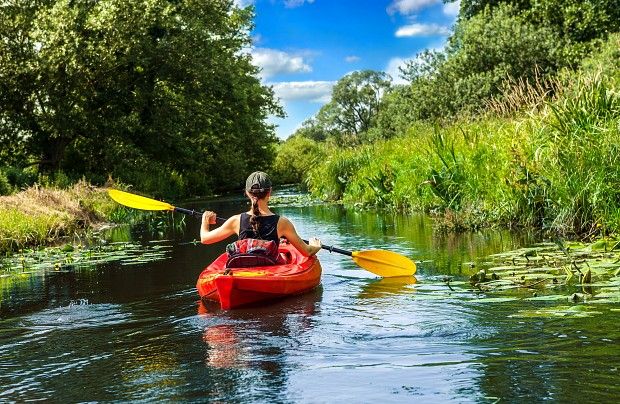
[(18, 229), (40, 216), (554, 167)]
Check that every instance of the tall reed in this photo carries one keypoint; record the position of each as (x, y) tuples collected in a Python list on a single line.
[(555, 167)]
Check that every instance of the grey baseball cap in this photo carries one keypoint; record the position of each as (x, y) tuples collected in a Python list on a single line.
[(258, 181)]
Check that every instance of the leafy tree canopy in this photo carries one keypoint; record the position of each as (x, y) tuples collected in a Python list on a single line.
[(134, 89), (352, 111)]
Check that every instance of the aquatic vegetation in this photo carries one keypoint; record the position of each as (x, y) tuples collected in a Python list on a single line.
[(297, 199), (550, 272), (70, 257)]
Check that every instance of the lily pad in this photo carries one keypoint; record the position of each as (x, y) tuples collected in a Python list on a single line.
[(577, 311), (55, 258)]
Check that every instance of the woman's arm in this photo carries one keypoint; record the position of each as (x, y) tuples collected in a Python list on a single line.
[(226, 230), (286, 229)]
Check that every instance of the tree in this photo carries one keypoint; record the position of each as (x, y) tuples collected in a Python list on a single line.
[(313, 130), (296, 156), (572, 20), (484, 51), (354, 105), (395, 115), (470, 8), (136, 89)]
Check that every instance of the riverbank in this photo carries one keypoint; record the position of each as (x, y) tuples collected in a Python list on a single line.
[(46, 215), (544, 159)]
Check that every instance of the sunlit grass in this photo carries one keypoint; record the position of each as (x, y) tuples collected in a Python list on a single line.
[(19, 229), (40, 216), (555, 168)]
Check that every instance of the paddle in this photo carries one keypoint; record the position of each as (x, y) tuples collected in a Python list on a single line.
[(386, 264)]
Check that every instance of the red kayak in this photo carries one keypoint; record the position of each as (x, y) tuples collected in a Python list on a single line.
[(247, 286)]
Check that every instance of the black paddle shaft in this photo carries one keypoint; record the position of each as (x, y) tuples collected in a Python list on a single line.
[(188, 212), (196, 214), (331, 248)]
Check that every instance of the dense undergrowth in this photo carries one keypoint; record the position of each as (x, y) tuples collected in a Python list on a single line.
[(542, 158)]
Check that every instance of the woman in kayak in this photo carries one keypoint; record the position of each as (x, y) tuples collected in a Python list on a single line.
[(260, 223)]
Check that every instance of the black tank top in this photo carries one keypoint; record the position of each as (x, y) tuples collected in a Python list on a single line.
[(267, 228)]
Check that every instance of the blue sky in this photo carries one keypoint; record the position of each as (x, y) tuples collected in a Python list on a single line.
[(305, 46)]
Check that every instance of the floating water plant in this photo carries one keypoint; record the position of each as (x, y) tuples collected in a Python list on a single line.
[(574, 273), (72, 257)]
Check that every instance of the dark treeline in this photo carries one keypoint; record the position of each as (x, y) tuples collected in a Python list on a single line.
[(514, 121), (158, 94)]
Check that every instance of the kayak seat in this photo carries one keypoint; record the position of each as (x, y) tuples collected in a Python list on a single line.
[(251, 252), (249, 260)]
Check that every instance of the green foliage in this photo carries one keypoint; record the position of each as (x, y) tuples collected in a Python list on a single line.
[(395, 115), (14, 179), (484, 51), (5, 186), (575, 23), (581, 141), (542, 147), (556, 168), (496, 42), (115, 87), (605, 61), (38, 216), (295, 158), (313, 130), (19, 229), (574, 20), (447, 180), (331, 179), (352, 111)]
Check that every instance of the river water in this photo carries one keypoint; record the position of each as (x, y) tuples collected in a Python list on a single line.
[(138, 332)]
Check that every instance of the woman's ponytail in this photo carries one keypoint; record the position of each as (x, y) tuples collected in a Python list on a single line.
[(255, 215)]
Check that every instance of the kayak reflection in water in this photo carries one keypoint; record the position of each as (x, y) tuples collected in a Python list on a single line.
[(259, 229), (234, 343)]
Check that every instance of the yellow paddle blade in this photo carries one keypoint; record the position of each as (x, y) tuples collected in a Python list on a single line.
[(137, 201), (387, 264)]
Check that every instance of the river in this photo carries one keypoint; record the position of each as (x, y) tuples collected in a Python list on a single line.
[(138, 333)]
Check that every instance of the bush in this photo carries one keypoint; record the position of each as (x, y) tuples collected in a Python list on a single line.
[(295, 158), (484, 51), (580, 149), (20, 178), (5, 186), (605, 60), (555, 168)]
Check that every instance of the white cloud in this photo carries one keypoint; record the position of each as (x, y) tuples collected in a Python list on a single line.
[(422, 30), (393, 69), (452, 9), (273, 61), (314, 91), (352, 59), (296, 3), (407, 7), (243, 3)]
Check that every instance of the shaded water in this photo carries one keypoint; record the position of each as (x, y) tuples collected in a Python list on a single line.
[(138, 332)]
